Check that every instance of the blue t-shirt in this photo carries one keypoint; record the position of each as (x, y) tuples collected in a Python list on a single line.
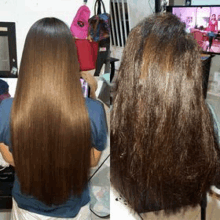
[(72, 206)]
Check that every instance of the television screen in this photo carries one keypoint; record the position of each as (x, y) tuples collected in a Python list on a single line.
[(203, 22)]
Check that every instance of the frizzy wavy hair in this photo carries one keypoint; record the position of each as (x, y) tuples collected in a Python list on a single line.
[(164, 154)]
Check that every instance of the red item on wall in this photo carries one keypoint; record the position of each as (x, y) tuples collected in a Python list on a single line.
[(87, 53)]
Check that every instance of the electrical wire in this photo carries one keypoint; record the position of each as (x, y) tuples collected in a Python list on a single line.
[(140, 217), (104, 217), (99, 168)]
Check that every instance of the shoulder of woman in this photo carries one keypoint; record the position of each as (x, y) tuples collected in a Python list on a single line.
[(96, 112), (94, 104), (6, 103)]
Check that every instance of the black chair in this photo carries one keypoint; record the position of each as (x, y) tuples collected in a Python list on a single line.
[(203, 206), (6, 185), (112, 62)]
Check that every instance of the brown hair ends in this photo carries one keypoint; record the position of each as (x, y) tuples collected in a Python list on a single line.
[(163, 149), (50, 125)]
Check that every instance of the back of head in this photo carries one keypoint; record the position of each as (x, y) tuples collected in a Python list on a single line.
[(4, 90), (49, 124), (163, 148), (3, 87)]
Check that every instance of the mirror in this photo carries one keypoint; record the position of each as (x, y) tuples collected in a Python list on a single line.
[(8, 53), (4, 54)]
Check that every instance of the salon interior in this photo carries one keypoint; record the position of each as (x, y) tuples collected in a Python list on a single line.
[(23, 13), (16, 17)]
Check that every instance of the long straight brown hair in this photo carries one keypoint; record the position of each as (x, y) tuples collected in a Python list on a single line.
[(50, 125), (164, 153)]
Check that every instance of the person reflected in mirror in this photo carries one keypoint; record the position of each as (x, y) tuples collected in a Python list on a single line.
[(213, 31), (4, 90)]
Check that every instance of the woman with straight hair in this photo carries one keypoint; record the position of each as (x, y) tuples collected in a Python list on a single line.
[(54, 133), (164, 149)]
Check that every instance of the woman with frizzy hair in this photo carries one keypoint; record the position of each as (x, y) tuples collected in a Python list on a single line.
[(164, 150), (53, 133)]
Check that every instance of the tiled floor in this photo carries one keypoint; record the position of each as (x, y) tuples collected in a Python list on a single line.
[(5, 215)]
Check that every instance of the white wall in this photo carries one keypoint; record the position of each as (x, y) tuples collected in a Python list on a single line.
[(197, 2), (137, 11), (25, 12), (205, 2)]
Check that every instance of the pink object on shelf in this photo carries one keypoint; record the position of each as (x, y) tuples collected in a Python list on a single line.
[(80, 24)]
